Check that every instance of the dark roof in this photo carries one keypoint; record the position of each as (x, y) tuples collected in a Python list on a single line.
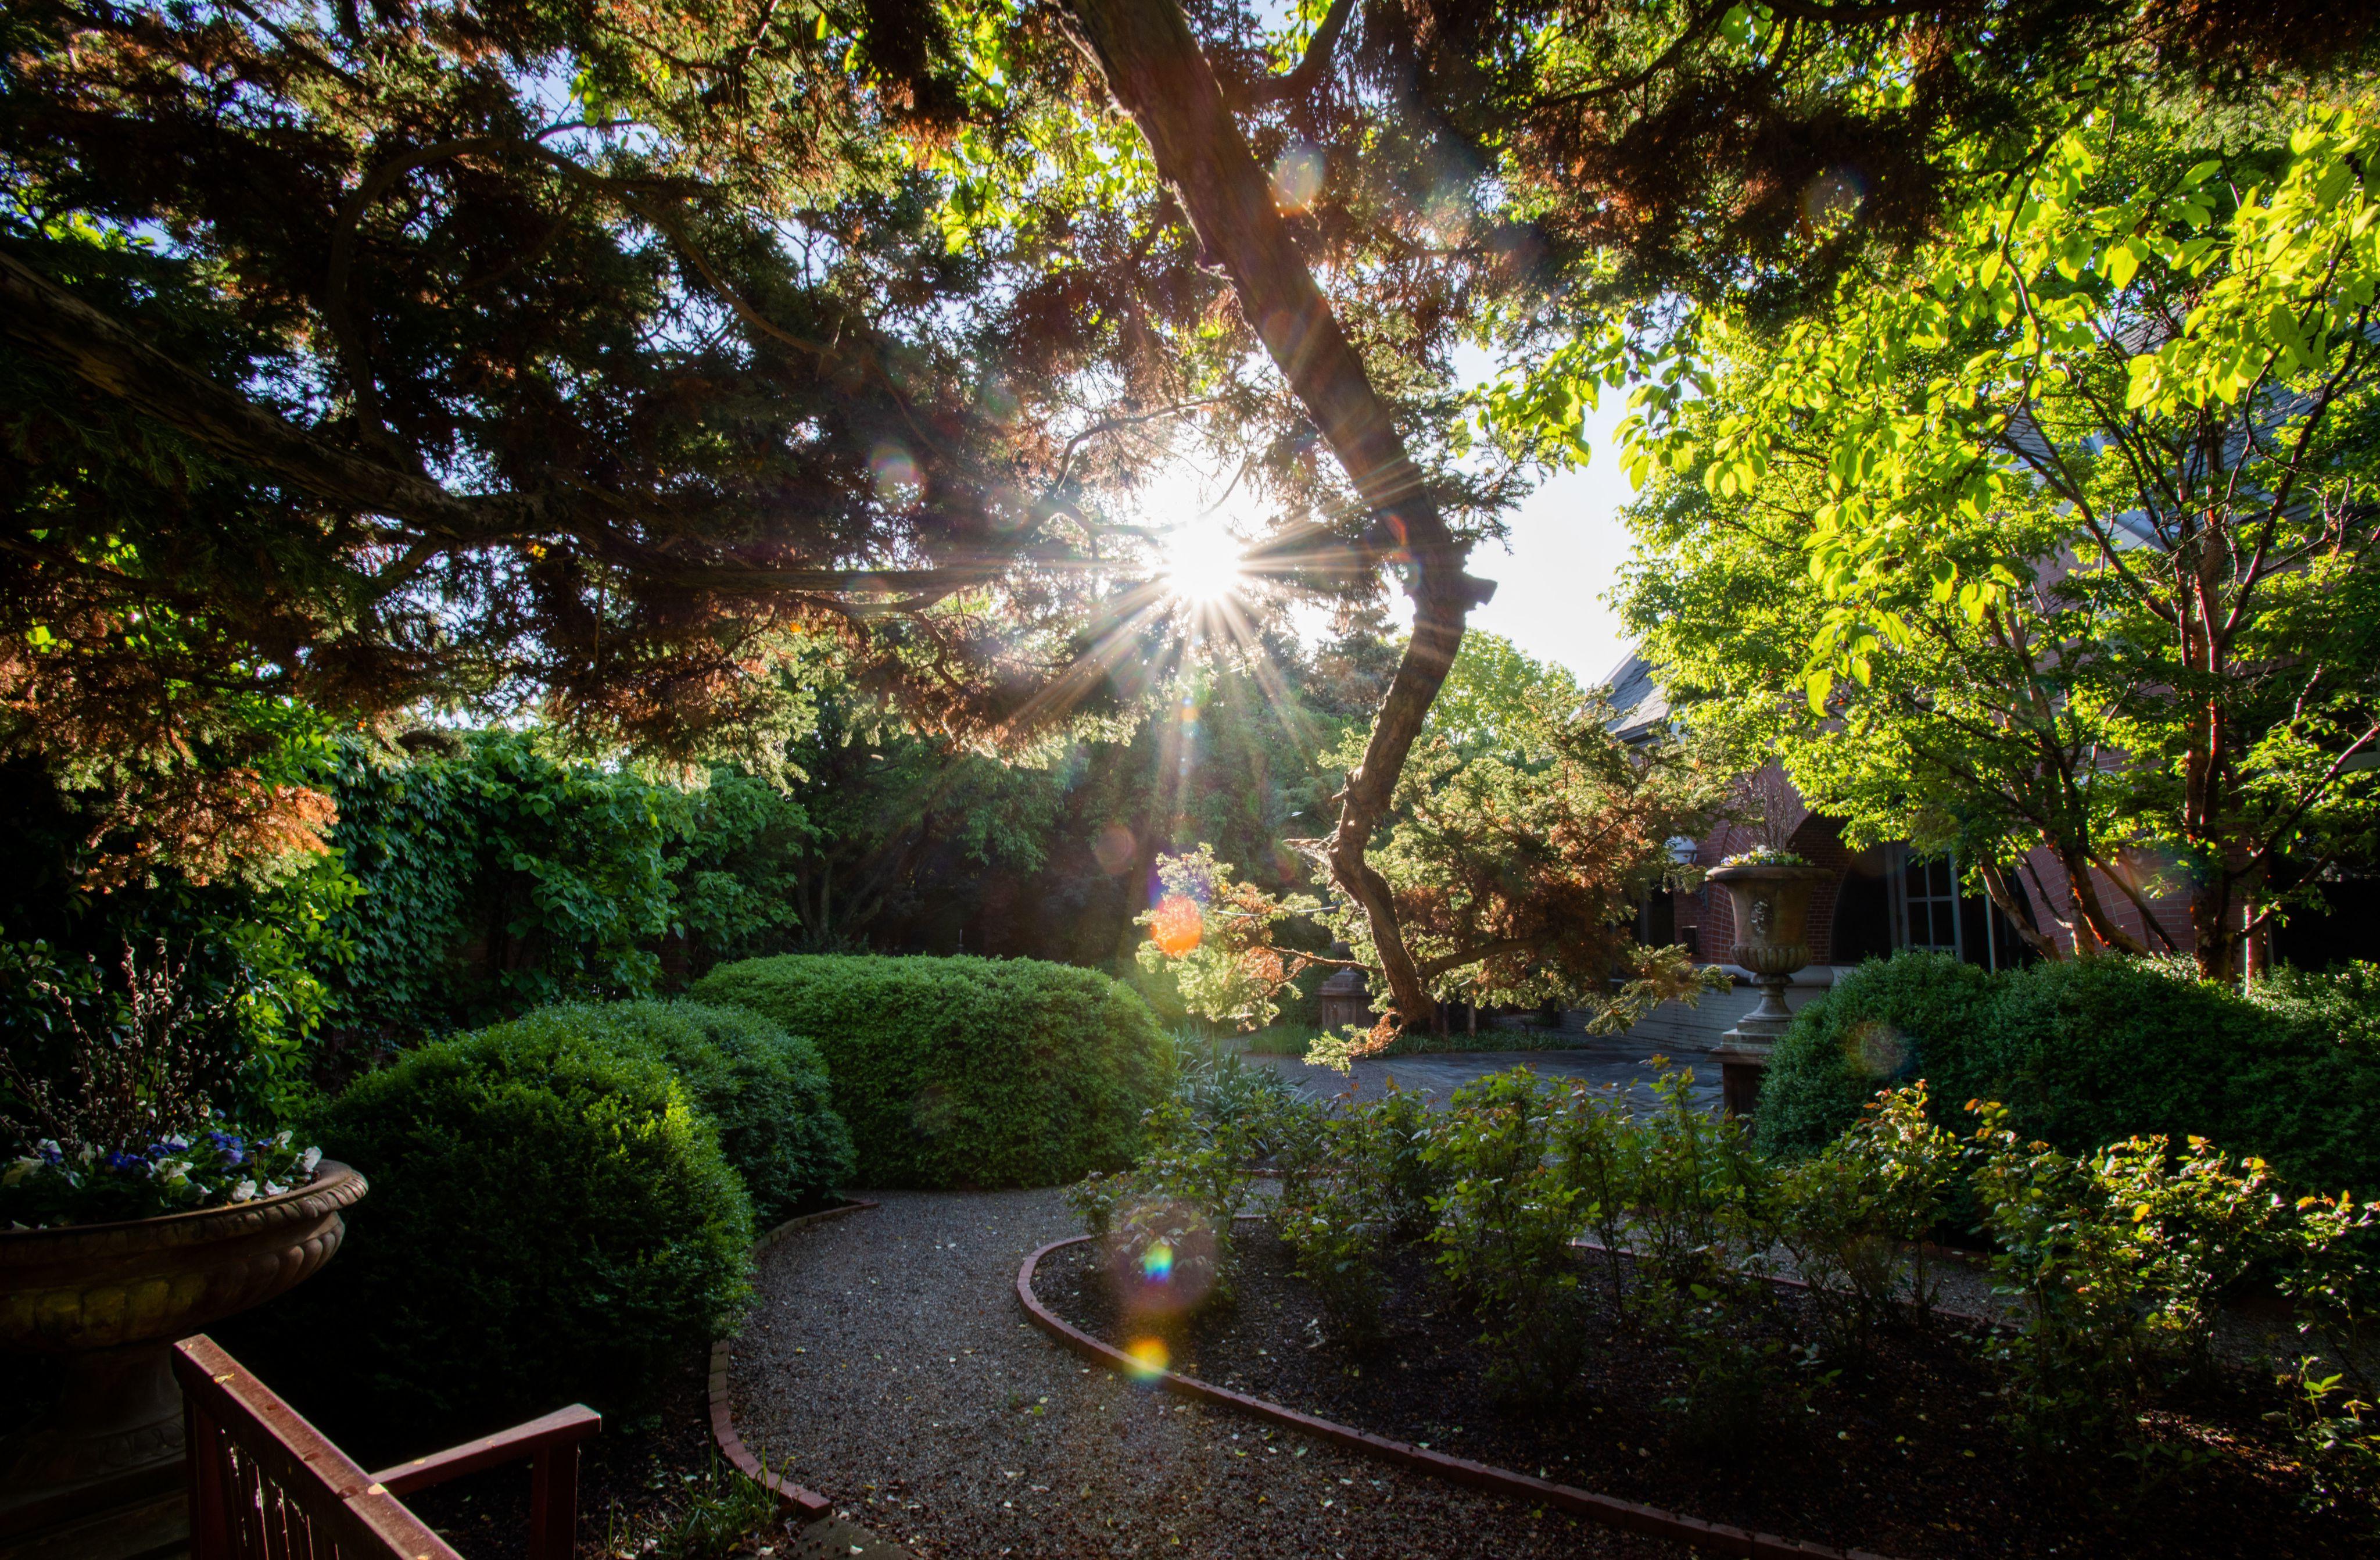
[(1640, 708)]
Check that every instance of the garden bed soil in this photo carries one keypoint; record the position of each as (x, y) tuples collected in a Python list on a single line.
[(1906, 1458)]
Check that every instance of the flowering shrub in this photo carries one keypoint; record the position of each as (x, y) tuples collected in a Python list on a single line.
[(1766, 856), (112, 1111), (85, 1185)]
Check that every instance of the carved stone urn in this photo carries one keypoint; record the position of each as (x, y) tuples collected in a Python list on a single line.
[(101, 1473), (1772, 940)]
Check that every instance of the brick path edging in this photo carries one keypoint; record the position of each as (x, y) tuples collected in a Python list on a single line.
[(809, 1505), (1649, 1520)]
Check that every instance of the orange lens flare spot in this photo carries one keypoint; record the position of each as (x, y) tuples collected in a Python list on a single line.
[(1148, 1356), (1178, 925)]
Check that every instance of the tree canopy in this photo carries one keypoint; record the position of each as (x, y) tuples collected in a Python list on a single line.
[(2068, 530), (589, 359)]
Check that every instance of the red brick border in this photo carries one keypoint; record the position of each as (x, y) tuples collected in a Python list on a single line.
[(1649, 1520), (807, 1505)]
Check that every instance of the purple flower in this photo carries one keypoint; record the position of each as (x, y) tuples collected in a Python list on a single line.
[(119, 1161)]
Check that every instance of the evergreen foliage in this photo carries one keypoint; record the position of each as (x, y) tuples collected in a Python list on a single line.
[(967, 1071), (549, 1218), (2088, 1052), (496, 875), (766, 1091)]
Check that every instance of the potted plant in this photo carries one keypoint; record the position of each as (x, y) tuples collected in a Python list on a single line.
[(132, 1213)]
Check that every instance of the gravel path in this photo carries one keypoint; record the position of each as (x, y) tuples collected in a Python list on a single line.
[(890, 1367)]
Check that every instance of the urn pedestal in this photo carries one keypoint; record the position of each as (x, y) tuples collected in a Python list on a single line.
[(1772, 940), (100, 1476)]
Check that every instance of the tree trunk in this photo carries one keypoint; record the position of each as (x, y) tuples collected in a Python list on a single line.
[(2090, 909), (2003, 893), (1157, 75)]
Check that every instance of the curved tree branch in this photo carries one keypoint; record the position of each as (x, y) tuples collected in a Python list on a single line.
[(61, 329), (1152, 65), (1310, 68)]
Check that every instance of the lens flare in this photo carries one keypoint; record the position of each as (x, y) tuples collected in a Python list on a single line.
[(1297, 177), (1157, 1262), (1177, 926), (1150, 1357)]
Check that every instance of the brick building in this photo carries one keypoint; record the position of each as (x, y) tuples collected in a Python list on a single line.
[(1888, 898)]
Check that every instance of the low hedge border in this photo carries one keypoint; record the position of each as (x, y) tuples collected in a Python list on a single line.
[(804, 1504), (1652, 1521)]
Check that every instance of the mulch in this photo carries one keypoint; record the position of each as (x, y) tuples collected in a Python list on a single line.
[(1905, 1457)]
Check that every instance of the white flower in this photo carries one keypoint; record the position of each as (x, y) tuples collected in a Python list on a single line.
[(309, 1159), (47, 1146), (17, 1171), (243, 1192), (174, 1141), (281, 1139), (87, 1153)]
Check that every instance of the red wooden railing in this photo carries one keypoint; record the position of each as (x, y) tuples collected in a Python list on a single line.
[(266, 1485)]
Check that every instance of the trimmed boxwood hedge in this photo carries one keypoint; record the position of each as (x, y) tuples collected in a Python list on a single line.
[(549, 1218), (2088, 1052), (967, 1071), (767, 1091), (1884, 1022)]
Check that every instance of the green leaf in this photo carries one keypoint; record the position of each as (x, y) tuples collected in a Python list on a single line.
[(2119, 263)]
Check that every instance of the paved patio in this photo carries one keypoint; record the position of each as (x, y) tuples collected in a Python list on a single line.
[(1616, 1060)]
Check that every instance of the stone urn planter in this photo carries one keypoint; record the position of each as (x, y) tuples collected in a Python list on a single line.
[(102, 1469), (1772, 940)]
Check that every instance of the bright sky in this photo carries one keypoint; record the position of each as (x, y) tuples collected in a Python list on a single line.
[(1567, 547)]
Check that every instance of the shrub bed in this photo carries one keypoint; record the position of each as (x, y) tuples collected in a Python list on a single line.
[(967, 1071), (549, 1219), (766, 1090), (2087, 1052), (1433, 1259)]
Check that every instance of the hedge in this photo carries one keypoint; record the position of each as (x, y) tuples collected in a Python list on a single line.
[(549, 1219), (1884, 1022), (2088, 1052), (967, 1071), (767, 1091)]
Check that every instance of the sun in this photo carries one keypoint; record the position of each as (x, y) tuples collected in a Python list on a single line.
[(1201, 564)]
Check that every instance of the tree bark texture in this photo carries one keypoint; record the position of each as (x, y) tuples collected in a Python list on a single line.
[(1158, 76)]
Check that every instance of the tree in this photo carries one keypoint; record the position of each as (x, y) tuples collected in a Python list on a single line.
[(1524, 837), (2086, 497), (567, 355)]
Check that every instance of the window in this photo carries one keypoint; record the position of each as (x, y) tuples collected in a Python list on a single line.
[(1929, 905), (1929, 910)]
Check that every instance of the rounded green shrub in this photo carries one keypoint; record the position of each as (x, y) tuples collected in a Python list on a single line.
[(1883, 1023), (2088, 1052), (2096, 1050), (967, 1071), (766, 1090), (549, 1219)]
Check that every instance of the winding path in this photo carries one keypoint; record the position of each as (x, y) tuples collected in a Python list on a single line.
[(889, 1367)]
